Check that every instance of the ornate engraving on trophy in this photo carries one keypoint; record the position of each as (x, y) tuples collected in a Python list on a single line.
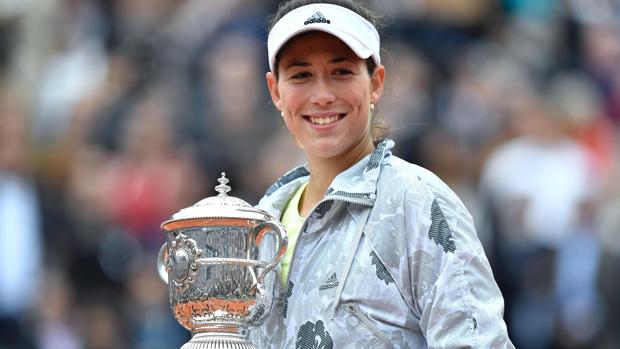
[(184, 269), (190, 313)]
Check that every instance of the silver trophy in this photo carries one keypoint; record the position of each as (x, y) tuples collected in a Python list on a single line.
[(217, 261)]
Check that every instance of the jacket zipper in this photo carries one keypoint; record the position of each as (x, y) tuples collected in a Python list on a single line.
[(365, 319), (346, 199)]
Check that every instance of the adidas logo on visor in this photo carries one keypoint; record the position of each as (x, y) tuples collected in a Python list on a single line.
[(317, 17)]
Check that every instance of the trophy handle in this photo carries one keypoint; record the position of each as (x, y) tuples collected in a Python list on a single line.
[(275, 227), (162, 261)]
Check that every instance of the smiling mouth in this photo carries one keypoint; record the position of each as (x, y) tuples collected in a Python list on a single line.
[(324, 120)]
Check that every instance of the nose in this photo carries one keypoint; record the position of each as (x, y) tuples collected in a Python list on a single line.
[(322, 92)]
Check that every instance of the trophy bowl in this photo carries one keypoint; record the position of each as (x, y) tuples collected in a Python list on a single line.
[(217, 261)]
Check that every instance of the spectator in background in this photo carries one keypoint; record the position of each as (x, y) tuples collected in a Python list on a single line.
[(151, 176), (600, 59), (21, 242), (408, 106), (56, 323), (75, 67), (232, 114), (608, 224), (469, 107), (577, 98), (541, 190), (151, 324)]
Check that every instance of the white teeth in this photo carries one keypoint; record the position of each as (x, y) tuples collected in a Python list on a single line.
[(324, 121)]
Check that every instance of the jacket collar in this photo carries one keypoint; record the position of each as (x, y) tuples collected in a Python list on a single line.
[(359, 182), (356, 184)]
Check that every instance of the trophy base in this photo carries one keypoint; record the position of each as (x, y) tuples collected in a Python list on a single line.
[(218, 341)]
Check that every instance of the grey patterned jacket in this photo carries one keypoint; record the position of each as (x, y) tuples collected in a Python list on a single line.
[(418, 277)]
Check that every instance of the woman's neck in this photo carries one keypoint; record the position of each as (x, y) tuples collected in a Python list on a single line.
[(324, 170)]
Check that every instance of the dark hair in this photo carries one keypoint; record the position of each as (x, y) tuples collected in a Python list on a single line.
[(379, 128)]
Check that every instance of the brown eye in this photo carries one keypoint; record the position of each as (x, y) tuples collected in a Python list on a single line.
[(300, 76), (342, 72)]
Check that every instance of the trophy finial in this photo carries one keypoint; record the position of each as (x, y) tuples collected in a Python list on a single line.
[(222, 188)]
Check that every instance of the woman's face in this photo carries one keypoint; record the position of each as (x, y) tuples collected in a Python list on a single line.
[(325, 91)]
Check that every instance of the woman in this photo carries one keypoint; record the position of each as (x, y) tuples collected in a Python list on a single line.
[(381, 252)]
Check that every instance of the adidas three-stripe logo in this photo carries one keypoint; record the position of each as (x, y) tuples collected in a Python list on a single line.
[(317, 17), (331, 282)]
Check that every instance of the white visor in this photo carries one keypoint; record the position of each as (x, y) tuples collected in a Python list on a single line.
[(355, 31)]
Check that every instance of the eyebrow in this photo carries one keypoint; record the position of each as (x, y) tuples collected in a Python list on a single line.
[(307, 64)]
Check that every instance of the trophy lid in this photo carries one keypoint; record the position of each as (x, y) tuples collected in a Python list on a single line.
[(221, 206)]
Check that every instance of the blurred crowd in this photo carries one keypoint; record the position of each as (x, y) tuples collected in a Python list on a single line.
[(114, 114)]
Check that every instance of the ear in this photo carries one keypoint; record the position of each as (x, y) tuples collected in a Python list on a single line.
[(377, 83), (272, 84)]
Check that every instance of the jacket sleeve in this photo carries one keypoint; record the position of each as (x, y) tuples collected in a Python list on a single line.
[(461, 305)]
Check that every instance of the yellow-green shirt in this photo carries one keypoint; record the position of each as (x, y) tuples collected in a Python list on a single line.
[(292, 222)]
